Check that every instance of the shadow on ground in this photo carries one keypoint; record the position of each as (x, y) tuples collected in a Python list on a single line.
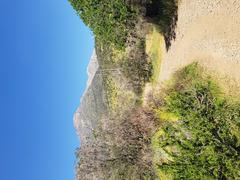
[(164, 13)]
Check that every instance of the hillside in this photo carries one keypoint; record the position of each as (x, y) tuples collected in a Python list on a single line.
[(162, 98)]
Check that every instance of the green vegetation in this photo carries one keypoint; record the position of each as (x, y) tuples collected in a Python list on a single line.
[(113, 93), (108, 57), (110, 21), (119, 97), (204, 143), (162, 12), (154, 48), (134, 65), (137, 67), (120, 37), (190, 132), (113, 21)]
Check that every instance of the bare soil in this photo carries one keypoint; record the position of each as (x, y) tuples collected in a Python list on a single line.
[(208, 32)]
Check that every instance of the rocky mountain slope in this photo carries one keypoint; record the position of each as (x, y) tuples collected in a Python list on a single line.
[(93, 103)]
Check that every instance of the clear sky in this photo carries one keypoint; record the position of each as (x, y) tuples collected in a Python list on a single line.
[(44, 52)]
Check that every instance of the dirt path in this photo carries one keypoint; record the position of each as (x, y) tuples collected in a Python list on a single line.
[(208, 31)]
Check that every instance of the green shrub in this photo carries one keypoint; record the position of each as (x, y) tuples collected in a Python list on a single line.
[(206, 137), (110, 21), (164, 14), (137, 67)]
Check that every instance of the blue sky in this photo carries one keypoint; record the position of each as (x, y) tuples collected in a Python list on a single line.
[(44, 52)]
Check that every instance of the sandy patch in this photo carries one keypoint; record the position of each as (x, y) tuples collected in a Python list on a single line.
[(208, 31)]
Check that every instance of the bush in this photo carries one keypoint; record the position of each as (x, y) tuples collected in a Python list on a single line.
[(121, 149), (110, 21), (132, 139), (204, 143), (137, 67), (164, 14)]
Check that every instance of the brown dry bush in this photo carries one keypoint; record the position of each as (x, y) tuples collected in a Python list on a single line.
[(122, 151), (132, 142)]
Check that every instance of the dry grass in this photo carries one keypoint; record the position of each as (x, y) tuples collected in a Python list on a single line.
[(154, 49)]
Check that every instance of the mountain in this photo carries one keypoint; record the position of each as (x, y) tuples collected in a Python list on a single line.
[(93, 103)]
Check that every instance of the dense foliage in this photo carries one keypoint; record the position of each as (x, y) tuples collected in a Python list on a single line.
[(162, 12), (113, 21), (205, 142), (109, 20)]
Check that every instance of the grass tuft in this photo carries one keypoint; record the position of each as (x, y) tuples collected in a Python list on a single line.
[(154, 48)]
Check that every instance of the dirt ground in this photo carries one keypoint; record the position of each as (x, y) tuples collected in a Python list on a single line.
[(208, 31)]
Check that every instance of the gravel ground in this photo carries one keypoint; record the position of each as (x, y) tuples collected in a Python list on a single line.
[(208, 31)]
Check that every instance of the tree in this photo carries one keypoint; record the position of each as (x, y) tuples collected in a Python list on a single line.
[(110, 21)]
